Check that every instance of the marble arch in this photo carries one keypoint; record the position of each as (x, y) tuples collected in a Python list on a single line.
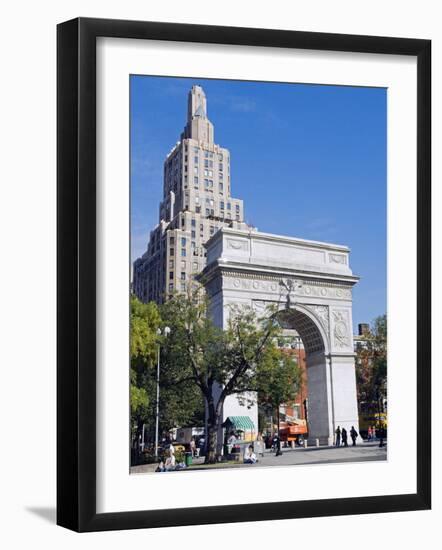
[(311, 284)]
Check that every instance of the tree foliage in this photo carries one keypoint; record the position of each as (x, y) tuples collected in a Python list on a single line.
[(371, 365), (279, 378), (144, 323), (217, 362)]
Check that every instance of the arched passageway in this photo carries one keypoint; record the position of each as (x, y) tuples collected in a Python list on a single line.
[(311, 285)]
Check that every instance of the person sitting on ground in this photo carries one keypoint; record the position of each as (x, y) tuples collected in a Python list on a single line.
[(170, 463), (249, 455), (160, 467)]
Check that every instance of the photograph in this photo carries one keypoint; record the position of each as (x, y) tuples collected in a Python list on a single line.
[(258, 306)]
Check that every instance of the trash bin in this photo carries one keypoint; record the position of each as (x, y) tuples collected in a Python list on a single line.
[(188, 458)]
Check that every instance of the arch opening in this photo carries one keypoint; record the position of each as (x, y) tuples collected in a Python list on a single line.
[(307, 329)]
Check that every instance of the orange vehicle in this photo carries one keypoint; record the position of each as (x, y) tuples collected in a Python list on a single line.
[(293, 431)]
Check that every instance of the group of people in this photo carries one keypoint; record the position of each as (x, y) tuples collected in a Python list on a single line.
[(169, 465), (341, 435)]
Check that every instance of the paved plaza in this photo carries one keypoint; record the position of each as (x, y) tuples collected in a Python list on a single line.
[(363, 452)]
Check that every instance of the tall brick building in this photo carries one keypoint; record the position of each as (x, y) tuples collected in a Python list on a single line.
[(196, 202)]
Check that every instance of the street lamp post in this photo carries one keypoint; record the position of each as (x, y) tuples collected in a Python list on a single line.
[(166, 332)]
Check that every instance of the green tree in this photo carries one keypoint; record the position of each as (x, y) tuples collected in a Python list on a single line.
[(371, 365), (144, 323), (279, 379), (218, 363)]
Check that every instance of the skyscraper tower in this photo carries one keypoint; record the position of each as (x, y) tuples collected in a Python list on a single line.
[(196, 202)]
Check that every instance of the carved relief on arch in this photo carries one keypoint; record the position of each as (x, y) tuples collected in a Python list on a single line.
[(341, 329), (322, 314)]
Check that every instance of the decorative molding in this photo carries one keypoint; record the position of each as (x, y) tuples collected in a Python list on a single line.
[(233, 244), (341, 336), (337, 259), (280, 287), (322, 313), (227, 273)]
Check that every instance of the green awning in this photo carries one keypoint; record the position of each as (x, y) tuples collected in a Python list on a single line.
[(243, 423)]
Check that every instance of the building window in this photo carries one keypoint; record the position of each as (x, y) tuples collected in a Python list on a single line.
[(193, 234), (195, 180), (206, 154), (206, 164), (229, 206), (183, 264), (210, 173), (198, 209), (195, 266), (195, 170), (193, 223), (195, 160), (170, 274), (171, 264), (185, 158), (172, 240), (220, 167), (172, 252), (170, 287), (183, 275), (220, 156), (183, 241), (206, 172), (193, 245), (207, 212), (206, 183), (183, 286), (183, 252), (221, 205), (221, 187), (237, 207), (210, 163)]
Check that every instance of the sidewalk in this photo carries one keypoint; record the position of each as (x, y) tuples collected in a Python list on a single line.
[(363, 452)]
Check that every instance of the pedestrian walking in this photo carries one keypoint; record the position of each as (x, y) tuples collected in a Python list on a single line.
[(369, 434), (344, 437), (192, 447), (260, 445), (381, 433), (338, 436), (353, 435), (277, 445)]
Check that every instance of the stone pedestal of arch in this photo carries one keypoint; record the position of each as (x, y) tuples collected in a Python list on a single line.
[(311, 285)]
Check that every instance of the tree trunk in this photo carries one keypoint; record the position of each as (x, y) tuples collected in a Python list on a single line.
[(212, 440), (213, 425)]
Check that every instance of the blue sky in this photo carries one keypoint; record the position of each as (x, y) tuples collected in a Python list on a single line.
[(308, 161)]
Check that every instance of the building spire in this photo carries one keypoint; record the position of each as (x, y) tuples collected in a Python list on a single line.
[(198, 126), (196, 104)]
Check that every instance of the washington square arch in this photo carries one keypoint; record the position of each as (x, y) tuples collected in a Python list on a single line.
[(310, 283)]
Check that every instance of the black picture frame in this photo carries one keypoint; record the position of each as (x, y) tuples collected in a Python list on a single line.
[(76, 273)]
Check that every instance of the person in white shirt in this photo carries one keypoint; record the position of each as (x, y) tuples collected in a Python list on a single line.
[(170, 463), (249, 456)]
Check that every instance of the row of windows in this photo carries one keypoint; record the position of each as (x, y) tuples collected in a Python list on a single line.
[(183, 265)]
